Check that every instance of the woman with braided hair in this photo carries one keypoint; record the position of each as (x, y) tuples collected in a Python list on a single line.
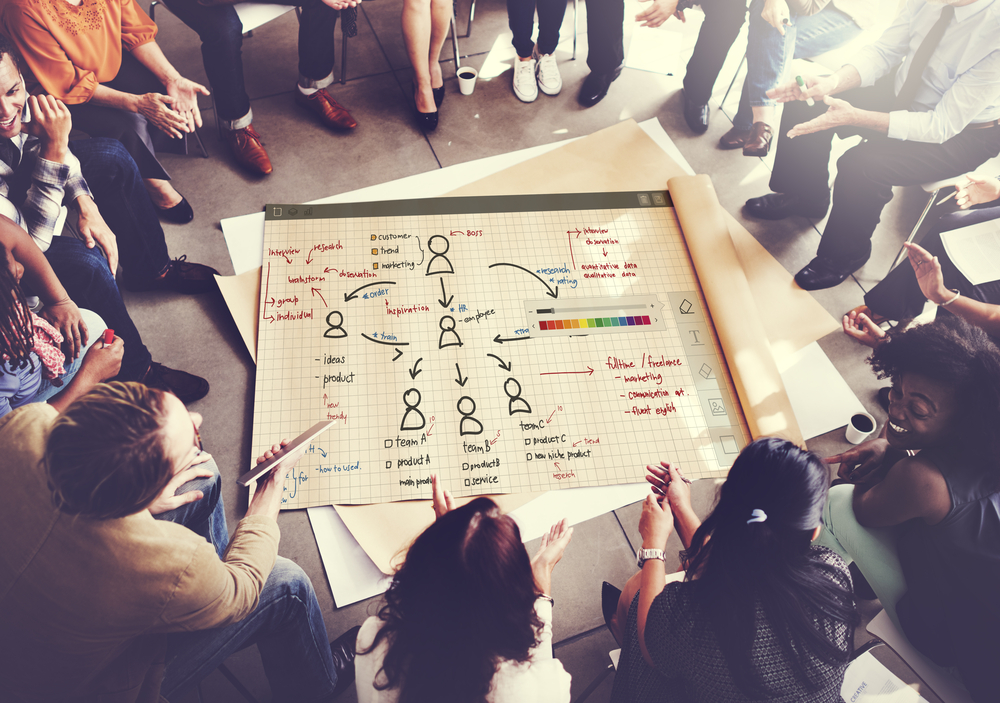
[(922, 518), (760, 613), (33, 367)]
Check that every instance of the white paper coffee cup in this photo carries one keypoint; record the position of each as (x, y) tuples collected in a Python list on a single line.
[(859, 427)]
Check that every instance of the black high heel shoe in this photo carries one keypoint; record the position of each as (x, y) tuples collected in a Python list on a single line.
[(438, 95), (427, 121), (609, 602)]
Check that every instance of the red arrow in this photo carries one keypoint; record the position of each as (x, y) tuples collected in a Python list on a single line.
[(328, 270), (550, 417), (602, 249), (557, 465), (453, 232), (429, 430), (589, 372), (315, 291), (309, 258), (269, 318), (573, 231)]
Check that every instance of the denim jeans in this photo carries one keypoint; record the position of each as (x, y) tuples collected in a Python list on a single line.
[(125, 206), (521, 18), (221, 35), (85, 275), (20, 386), (287, 624), (769, 53)]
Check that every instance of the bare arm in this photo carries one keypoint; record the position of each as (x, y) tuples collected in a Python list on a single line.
[(101, 363), (927, 269), (655, 526), (911, 489)]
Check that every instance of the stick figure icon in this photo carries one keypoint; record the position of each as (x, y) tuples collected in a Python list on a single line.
[(334, 323), (469, 424), (413, 419), (517, 404), (439, 263), (449, 337)]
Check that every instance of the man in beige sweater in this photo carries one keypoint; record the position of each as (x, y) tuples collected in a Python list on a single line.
[(100, 600)]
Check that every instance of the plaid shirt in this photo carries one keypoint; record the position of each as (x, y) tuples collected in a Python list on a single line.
[(40, 213)]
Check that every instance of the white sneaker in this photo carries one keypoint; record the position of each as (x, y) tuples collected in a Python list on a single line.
[(525, 85), (549, 80)]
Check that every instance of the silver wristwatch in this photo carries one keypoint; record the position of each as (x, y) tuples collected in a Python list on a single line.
[(643, 555)]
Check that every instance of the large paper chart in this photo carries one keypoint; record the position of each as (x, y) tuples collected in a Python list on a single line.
[(508, 344)]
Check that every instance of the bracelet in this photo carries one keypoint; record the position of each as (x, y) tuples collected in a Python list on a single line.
[(957, 296), (542, 596)]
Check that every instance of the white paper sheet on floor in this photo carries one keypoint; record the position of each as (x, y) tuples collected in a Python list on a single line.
[(820, 397), (868, 681)]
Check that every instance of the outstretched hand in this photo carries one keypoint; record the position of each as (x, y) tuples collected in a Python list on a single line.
[(927, 269), (443, 502), (816, 88), (657, 13), (776, 14), (554, 543), (860, 464), (859, 327), (839, 113), (977, 190)]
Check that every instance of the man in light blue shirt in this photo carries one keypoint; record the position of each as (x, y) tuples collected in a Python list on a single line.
[(937, 124)]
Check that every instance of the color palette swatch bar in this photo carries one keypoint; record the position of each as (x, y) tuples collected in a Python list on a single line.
[(594, 322)]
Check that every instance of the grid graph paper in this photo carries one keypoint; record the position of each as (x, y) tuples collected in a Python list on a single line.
[(508, 344)]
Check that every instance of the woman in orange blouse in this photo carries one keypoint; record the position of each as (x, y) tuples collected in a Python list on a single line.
[(100, 57)]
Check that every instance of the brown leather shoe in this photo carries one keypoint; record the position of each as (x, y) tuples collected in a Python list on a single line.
[(734, 138), (332, 113), (758, 141), (248, 149)]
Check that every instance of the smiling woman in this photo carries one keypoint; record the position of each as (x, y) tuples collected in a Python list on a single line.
[(924, 529)]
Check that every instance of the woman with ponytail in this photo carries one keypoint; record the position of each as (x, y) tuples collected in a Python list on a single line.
[(759, 614), (922, 518)]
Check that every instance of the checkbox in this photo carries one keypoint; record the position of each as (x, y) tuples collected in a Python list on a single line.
[(527, 442), (374, 252), (375, 266), (465, 467), (388, 444), (373, 237), (466, 482), (388, 464)]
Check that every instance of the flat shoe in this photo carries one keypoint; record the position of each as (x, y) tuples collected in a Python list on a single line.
[(778, 206), (609, 602), (758, 142), (344, 652), (696, 116), (822, 273), (179, 214), (734, 138)]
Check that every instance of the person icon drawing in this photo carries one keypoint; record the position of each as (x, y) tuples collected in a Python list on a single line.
[(413, 419), (469, 424), (517, 404), (439, 263), (449, 337)]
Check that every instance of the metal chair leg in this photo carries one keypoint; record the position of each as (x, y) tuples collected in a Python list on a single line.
[(454, 39), (916, 227), (575, 24), (740, 68)]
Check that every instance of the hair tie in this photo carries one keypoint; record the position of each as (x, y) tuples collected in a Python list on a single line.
[(758, 516)]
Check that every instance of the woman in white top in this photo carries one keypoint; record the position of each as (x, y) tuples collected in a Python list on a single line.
[(468, 617)]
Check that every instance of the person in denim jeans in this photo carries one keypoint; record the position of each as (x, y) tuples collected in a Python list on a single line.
[(122, 512), (779, 32), (110, 216)]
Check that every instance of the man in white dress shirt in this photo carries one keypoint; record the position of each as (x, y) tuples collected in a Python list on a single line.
[(936, 124)]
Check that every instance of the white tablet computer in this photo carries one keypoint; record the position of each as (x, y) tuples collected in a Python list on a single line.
[(287, 451)]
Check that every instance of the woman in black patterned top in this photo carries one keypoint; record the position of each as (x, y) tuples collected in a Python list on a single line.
[(760, 614)]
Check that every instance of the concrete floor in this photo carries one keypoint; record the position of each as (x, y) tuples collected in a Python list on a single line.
[(197, 334)]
